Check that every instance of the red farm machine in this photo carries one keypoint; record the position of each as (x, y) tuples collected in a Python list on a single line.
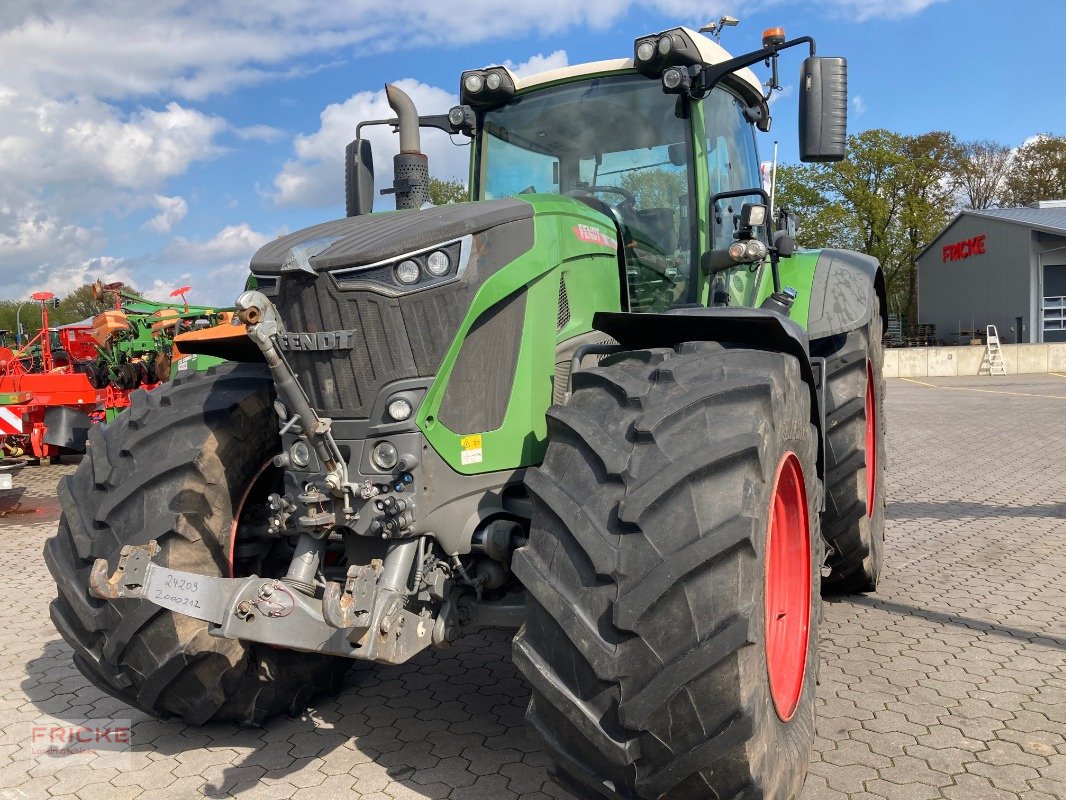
[(67, 378)]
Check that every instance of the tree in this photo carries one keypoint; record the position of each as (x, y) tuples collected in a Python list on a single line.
[(888, 198), (980, 170), (930, 187), (441, 193), (79, 305), (1037, 172)]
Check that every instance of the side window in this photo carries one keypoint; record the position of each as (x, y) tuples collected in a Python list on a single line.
[(732, 160)]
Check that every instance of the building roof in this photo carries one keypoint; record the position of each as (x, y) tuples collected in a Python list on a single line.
[(1045, 220)]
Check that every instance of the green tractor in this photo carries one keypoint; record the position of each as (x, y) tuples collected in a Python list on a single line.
[(607, 403)]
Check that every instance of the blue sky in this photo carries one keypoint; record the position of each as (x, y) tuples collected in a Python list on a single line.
[(161, 143)]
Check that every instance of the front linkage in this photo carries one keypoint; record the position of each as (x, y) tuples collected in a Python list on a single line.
[(380, 613)]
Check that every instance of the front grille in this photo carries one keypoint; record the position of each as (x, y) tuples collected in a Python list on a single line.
[(396, 338)]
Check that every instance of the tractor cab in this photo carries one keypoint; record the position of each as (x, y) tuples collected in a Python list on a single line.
[(662, 143)]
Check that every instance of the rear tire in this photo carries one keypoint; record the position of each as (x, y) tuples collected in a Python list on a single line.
[(854, 525), (174, 467), (645, 638)]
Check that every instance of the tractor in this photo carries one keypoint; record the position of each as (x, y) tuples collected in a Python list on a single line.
[(607, 403)]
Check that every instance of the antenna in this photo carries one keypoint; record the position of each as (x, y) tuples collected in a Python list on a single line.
[(773, 183), (716, 28)]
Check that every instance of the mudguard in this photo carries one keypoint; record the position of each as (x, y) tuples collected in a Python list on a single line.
[(67, 428), (749, 327), (845, 283)]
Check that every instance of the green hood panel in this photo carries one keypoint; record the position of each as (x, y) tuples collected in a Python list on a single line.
[(574, 246)]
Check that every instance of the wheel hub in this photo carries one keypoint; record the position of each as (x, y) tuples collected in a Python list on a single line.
[(788, 586)]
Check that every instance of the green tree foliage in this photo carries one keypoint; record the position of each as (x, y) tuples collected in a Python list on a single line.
[(888, 198), (441, 193), (1037, 172)]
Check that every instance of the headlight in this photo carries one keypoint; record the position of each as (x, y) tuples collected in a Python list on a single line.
[(384, 456), (755, 250), (474, 83), (666, 44), (399, 410), (645, 51), (407, 272), (493, 81), (300, 454), (437, 264)]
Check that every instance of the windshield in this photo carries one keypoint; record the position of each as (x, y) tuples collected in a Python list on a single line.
[(620, 145)]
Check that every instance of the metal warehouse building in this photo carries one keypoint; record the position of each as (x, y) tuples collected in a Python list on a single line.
[(1002, 266)]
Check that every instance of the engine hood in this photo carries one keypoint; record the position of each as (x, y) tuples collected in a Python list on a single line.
[(377, 237)]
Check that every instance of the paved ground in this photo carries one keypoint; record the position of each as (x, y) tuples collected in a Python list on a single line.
[(950, 682)]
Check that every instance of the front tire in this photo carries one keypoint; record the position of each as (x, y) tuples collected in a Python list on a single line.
[(648, 573), (175, 467)]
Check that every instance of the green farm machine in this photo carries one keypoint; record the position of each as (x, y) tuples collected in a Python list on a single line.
[(135, 341), (607, 403)]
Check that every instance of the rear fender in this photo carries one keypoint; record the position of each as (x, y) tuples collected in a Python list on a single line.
[(749, 327)]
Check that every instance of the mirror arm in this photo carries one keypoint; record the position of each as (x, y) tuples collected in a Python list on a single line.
[(710, 76), (439, 121)]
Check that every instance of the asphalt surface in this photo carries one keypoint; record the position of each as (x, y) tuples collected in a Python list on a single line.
[(949, 682)]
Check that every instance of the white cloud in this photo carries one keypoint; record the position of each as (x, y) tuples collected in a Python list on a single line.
[(32, 237), (539, 63), (172, 210), (315, 177), (234, 242), (61, 278), (858, 105), (259, 133)]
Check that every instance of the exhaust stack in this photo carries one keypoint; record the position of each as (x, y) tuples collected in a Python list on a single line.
[(410, 165)]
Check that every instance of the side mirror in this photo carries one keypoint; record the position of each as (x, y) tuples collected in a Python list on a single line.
[(358, 178), (823, 110), (784, 244)]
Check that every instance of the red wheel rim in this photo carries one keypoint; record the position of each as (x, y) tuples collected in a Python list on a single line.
[(871, 441), (788, 587)]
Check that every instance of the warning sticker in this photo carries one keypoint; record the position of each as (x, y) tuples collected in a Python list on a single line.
[(470, 449), (593, 235)]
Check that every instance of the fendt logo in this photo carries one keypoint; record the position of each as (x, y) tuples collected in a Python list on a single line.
[(329, 340), (964, 249)]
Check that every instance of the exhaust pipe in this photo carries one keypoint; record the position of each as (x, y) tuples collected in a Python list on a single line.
[(410, 165)]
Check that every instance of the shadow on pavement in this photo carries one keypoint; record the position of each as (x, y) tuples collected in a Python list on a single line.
[(958, 620), (924, 509)]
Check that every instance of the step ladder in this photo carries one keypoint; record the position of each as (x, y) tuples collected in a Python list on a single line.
[(994, 353)]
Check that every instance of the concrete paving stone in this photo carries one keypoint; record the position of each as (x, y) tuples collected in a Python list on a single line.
[(847, 779), (910, 769), (890, 743), (105, 790), (911, 790), (975, 787), (334, 786), (1009, 777)]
